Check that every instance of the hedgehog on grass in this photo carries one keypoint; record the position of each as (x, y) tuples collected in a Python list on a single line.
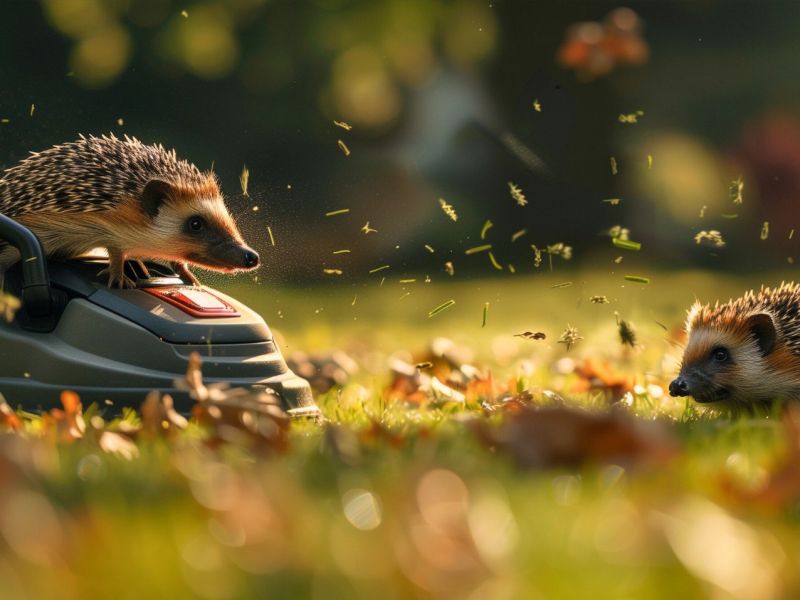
[(745, 351)]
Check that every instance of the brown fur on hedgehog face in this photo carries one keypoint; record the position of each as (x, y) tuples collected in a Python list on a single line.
[(191, 224), (734, 356)]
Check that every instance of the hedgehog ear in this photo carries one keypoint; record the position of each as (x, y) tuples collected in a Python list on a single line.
[(154, 194), (762, 327)]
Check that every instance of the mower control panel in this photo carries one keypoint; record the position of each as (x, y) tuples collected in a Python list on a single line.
[(194, 301)]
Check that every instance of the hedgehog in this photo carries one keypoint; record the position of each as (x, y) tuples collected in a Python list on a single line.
[(744, 352), (135, 200)]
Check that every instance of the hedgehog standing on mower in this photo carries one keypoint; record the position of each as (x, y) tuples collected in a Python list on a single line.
[(136, 201), (75, 330)]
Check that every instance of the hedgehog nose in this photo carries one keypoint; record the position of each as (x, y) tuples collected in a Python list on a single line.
[(250, 259), (679, 387)]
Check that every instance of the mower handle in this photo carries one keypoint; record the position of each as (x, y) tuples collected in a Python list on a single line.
[(35, 282)]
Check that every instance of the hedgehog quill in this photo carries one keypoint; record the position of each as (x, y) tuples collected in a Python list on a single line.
[(745, 351), (136, 201)]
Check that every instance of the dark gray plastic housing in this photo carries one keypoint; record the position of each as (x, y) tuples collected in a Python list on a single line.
[(120, 344)]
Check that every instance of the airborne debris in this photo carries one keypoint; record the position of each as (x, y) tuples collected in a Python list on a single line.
[(448, 266), (340, 211), (703, 210), (271, 237), (619, 232), (537, 106), (537, 256), (332, 271), (560, 249), (649, 161), (429, 248), (518, 234), (569, 337), (626, 244), (631, 117), (636, 279), (244, 179), (735, 190), (627, 334), (614, 169), (765, 230), (441, 307), (343, 147), (476, 249), (448, 209), (486, 227), (343, 125), (343, 251), (485, 313), (712, 237), (598, 299), (516, 194), (495, 264), (377, 269), (185, 14), (33, 109), (366, 229), (564, 284), (530, 335), (612, 201)]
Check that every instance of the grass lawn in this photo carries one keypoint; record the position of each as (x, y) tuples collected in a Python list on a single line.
[(457, 460)]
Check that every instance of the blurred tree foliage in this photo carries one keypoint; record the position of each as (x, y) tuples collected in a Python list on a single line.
[(440, 95)]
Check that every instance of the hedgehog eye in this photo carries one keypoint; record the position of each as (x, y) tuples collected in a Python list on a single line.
[(196, 224), (720, 354)]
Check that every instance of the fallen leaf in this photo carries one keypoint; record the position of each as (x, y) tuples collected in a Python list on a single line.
[(598, 376), (564, 436), (781, 488)]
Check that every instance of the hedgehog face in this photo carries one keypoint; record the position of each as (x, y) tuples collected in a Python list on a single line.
[(729, 360), (196, 228)]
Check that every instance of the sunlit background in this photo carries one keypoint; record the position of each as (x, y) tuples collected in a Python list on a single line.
[(448, 196), (662, 105)]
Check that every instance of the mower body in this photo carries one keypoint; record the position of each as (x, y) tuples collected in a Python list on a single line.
[(115, 346)]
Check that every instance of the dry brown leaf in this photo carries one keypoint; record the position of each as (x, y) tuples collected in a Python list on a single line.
[(564, 436), (323, 371), (377, 433), (159, 416), (116, 443), (8, 419), (781, 489), (65, 425), (599, 376)]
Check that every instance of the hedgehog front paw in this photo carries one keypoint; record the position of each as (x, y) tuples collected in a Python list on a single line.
[(123, 283), (182, 269), (117, 278)]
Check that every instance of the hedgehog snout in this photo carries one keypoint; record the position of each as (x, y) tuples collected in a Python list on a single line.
[(237, 256), (679, 387), (250, 259)]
